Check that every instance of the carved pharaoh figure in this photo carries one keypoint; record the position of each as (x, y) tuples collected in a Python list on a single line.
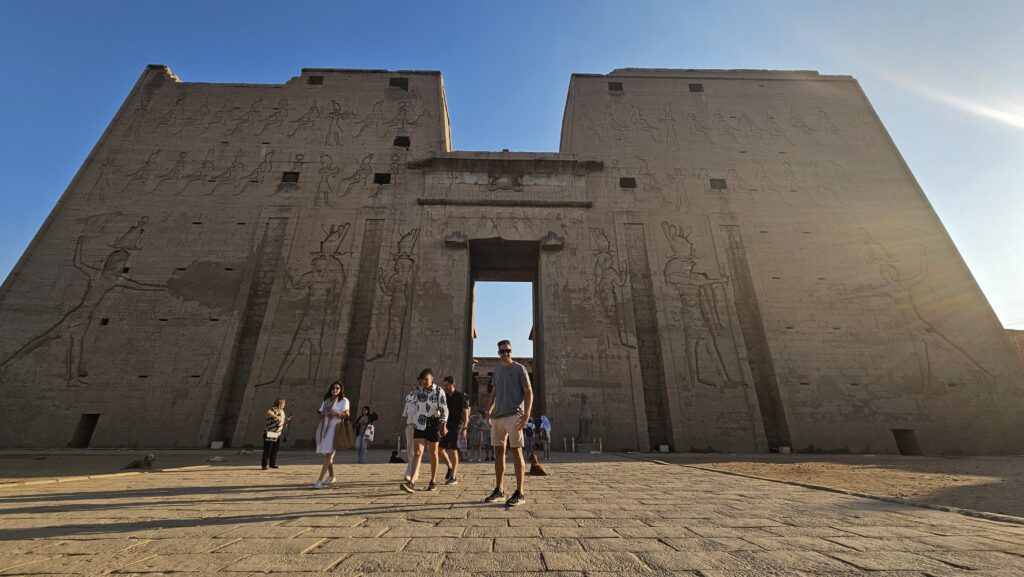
[(700, 318), (73, 327)]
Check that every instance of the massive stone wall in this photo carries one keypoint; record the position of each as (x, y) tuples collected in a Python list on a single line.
[(723, 260)]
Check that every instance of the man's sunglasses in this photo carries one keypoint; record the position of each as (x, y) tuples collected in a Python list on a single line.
[(505, 351)]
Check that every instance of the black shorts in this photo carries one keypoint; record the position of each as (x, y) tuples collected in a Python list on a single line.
[(430, 434), (451, 440)]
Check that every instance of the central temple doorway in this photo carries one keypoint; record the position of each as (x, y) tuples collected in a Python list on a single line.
[(496, 260)]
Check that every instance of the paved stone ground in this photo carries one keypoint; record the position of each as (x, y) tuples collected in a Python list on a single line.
[(594, 516)]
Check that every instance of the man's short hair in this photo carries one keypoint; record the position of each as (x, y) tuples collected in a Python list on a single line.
[(505, 342), (449, 380), (425, 372)]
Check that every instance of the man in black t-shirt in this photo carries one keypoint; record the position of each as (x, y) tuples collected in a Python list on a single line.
[(458, 422)]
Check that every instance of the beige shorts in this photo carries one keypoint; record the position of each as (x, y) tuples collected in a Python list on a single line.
[(502, 426)]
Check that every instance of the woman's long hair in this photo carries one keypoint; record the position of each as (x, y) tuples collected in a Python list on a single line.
[(341, 394)]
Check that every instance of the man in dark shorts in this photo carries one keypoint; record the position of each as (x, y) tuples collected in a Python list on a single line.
[(431, 424), (508, 411), (458, 424)]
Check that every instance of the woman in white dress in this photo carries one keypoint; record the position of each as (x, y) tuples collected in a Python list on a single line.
[(332, 411)]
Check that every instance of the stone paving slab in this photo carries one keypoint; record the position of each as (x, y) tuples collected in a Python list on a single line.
[(603, 516)]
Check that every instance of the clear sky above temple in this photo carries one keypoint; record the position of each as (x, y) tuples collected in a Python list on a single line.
[(946, 77)]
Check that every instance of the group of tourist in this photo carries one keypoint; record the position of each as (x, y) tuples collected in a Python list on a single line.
[(437, 422)]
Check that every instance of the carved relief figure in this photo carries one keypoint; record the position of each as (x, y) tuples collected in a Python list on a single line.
[(585, 419), (248, 117), (276, 117), (334, 129), (697, 130), (898, 286), (201, 173), (320, 294), (619, 130), (797, 122), (636, 118), (194, 122), (750, 128), (775, 132), (174, 174), (372, 120), (397, 287), (725, 130), (229, 175), (830, 129), (652, 184), (361, 174), (307, 121), (107, 170), (324, 190), (73, 327), (132, 239), (702, 323), (588, 125), (609, 280), (678, 240), (141, 174), (764, 181), (258, 174), (668, 120)]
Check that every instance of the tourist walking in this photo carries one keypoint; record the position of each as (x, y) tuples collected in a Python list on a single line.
[(545, 436), (333, 410), (273, 433), (458, 423), (509, 410), (431, 424), (364, 432), (409, 423)]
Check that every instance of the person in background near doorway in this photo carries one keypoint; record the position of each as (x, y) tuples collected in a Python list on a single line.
[(545, 436), (273, 432), (458, 423), (530, 437), (364, 431), (509, 410), (431, 425), (409, 424), (334, 408)]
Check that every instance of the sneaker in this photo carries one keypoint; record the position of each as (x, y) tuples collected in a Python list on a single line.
[(517, 498), (265, 467), (448, 475), (432, 486), (318, 485), (408, 487), (453, 480), (273, 466), (329, 480), (497, 494)]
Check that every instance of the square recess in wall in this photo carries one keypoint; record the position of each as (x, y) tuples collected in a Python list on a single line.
[(615, 86), (289, 177), (399, 83), (627, 182)]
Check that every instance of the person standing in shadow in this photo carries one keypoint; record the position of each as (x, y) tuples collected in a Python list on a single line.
[(273, 432)]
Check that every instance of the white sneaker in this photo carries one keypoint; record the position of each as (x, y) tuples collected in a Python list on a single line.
[(318, 485), (329, 480)]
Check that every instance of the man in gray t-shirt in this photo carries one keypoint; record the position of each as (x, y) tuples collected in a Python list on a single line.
[(508, 411)]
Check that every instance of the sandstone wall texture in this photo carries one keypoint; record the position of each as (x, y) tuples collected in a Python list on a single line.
[(722, 260)]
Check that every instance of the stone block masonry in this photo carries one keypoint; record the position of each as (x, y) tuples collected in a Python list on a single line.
[(724, 260)]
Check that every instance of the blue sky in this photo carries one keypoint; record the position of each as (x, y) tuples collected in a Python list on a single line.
[(947, 79)]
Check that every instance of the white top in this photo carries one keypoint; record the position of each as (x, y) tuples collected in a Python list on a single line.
[(340, 406)]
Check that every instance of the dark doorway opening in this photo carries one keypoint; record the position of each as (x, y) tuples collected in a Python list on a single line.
[(509, 261), (84, 430), (906, 442)]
